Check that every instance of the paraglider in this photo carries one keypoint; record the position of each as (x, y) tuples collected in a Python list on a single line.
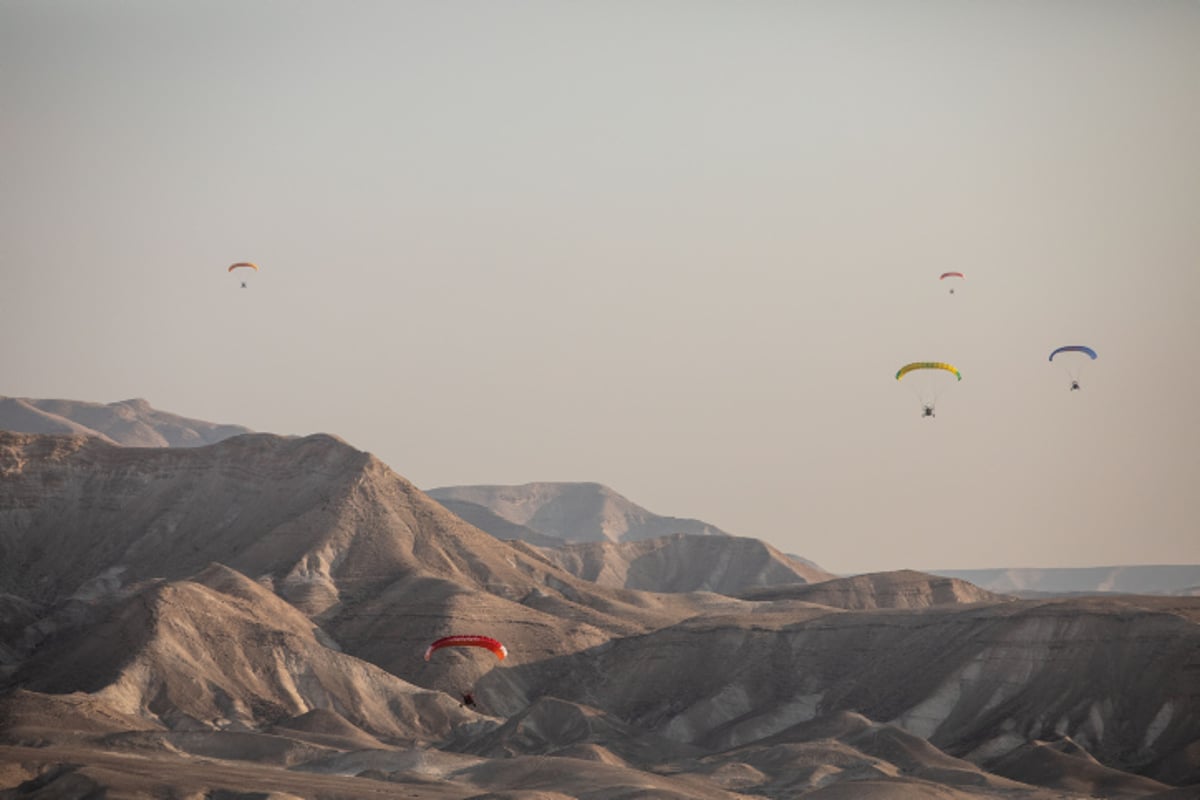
[(1076, 358), (468, 640), (929, 383), (243, 265), (957, 275)]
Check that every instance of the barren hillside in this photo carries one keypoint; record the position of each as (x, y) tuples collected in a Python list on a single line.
[(1119, 676), (220, 651)]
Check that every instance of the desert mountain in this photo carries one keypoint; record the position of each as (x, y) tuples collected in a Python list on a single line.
[(329, 528), (685, 563), (899, 589), (248, 618), (571, 512), (595, 533), (1181, 579), (129, 422)]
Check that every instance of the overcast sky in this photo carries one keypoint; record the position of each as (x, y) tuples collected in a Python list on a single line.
[(677, 248)]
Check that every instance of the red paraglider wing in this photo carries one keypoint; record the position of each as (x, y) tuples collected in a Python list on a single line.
[(486, 642)]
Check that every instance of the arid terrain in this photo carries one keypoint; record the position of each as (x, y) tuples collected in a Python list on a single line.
[(249, 618)]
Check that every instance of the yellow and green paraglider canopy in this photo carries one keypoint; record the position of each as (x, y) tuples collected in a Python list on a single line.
[(907, 368)]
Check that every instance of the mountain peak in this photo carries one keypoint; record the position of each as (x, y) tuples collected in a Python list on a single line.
[(572, 512)]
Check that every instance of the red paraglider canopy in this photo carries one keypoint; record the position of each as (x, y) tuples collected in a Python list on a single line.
[(486, 642)]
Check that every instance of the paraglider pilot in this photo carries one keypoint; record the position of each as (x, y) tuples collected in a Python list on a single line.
[(468, 700), (928, 412), (1074, 386)]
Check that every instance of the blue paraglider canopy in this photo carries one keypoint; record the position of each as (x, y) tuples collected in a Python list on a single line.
[(1074, 348)]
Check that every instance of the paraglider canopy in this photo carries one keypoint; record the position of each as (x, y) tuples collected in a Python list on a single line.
[(486, 642), (945, 275), (907, 368), (243, 265), (1075, 348)]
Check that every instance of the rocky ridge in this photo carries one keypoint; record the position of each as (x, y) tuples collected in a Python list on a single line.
[(129, 422)]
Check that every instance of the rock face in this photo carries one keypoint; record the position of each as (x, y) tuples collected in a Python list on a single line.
[(129, 422), (571, 512), (685, 563), (253, 614)]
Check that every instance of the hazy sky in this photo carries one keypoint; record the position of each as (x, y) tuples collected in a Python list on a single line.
[(678, 248)]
